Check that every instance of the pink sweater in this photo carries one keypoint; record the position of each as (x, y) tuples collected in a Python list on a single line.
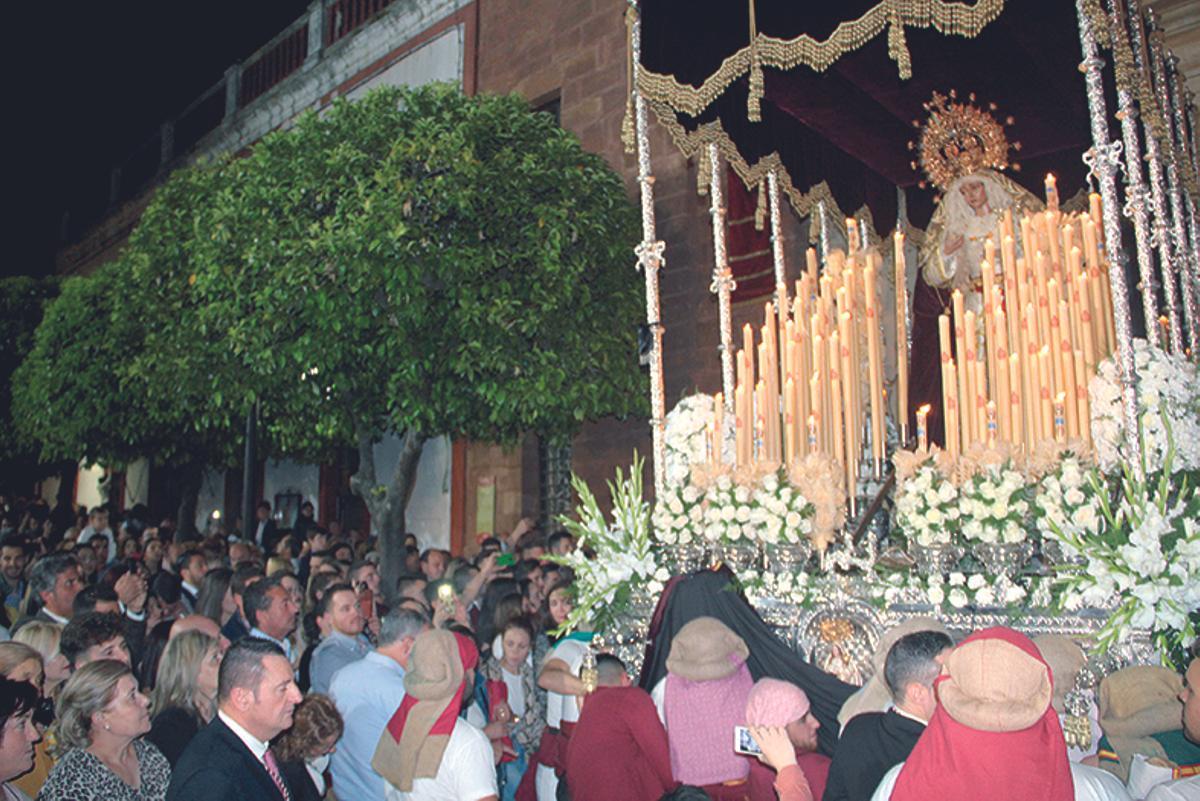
[(700, 720)]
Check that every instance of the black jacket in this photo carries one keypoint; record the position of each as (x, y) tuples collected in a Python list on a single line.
[(299, 782), (217, 766), (870, 745)]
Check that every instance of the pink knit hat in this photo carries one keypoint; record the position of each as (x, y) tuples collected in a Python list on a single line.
[(775, 703)]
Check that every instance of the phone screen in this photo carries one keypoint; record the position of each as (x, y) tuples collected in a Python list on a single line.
[(366, 604), (506, 560), (743, 742)]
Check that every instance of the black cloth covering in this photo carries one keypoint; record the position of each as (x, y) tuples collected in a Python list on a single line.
[(871, 745), (713, 593)]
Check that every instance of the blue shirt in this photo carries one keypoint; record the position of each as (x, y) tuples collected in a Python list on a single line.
[(367, 693), (332, 654)]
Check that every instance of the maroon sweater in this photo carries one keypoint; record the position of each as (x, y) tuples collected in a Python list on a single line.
[(618, 749)]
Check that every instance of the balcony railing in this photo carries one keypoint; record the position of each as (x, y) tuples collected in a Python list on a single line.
[(301, 43)]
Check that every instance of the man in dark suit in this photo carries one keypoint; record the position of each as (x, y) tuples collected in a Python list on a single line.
[(54, 582), (263, 532), (231, 759), (873, 742)]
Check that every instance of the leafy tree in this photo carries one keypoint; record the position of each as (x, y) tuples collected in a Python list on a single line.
[(22, 302), (114, 371), (420, 263)]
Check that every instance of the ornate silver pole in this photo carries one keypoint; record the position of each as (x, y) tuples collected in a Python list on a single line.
[(824, 228), (1188, 267), (1105, 159), (1167, 255), (781, 292), (1178, 234), (650, 260), (1135, 190), (722, 283)]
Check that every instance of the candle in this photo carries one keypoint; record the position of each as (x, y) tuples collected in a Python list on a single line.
[(789, 419), (948, 385), (835, 410), (1096, 212), (719, 425), (1060, 422), (953, 433), (740, 430), (1164, 332), (1046, 420), (812, 433), (1086, 322), (968, 360), (814, 419), (979, 386), (923, 428), (1017, 437), (1055, 334), (1051, 192), (1067, 359), (1002, 394), (962, 392), (990, 411), (1081, 398)]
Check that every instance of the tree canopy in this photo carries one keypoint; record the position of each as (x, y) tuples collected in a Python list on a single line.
[(418, 263)]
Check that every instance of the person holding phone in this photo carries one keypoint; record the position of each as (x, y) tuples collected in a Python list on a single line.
[(778, 707)]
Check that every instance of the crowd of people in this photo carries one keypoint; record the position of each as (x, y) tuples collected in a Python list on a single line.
[(141, 664)]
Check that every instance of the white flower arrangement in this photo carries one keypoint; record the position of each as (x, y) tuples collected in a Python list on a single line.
[(678, 513), (1147, 559), (1168, 404), (624, 562), (959, 590), (994, 506), (685, 437), (779, 513), (1068, 503), (927, 507)]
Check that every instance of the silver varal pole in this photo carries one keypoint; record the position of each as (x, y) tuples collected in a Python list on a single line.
[(1135, 203), (781, 291), (650, 260), (1168, 256), (1188, 272), (1179, 238), (722, 283), (1105, 158)]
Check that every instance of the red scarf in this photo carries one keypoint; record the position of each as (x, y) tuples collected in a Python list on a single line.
[(953, 762), (445, 722)]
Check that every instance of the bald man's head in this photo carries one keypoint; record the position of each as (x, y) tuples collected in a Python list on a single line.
[(205, 625)]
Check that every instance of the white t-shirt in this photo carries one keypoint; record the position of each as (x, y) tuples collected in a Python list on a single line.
[(466, 772), (1091, 784), (1179, 790), (565, 707), (560, 708), (516, 691)]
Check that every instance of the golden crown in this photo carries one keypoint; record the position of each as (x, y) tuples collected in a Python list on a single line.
[(959, 139)]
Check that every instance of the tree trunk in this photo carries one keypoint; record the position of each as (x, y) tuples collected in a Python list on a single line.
[(190, 478), (388, 503)]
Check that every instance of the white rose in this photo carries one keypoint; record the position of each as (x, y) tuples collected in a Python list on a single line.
[(936, 595), (946, 492), (792, 520), (976, 581), (728, 513), (958, 598), (742, 514), (985, 596), (690, 494), (742, 495), (957, 579)]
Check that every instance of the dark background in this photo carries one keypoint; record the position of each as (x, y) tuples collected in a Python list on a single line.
[(89, 82)]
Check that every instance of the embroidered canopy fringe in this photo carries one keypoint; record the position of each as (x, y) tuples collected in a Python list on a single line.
[(764, 50)]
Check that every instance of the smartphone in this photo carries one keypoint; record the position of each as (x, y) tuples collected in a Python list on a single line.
[(506, 560), (446, 593), (743, 743), (366, 603)]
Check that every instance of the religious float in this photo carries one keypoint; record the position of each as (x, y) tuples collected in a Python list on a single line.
[(989, 412)]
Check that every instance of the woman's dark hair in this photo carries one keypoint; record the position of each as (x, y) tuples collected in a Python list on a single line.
[(16, 698), (548, 624), (492, 596), (211, 598), (521, 622)]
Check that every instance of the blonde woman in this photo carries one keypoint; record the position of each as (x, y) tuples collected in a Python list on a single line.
[(102, 756), (185, 692), (43, 637)]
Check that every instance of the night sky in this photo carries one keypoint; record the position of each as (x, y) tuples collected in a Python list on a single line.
[(88, 82)]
